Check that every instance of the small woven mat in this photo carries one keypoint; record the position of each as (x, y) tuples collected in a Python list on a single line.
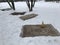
[(7, 9)]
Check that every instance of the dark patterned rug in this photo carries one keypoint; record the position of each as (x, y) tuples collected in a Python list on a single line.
[(18, 13)]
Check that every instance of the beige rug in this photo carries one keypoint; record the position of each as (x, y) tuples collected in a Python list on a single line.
[(28, 16)]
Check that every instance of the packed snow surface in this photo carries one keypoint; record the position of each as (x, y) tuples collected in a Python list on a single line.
[(10, 26)]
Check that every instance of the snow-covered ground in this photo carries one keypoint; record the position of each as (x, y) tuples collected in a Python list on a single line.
[(10, 26)]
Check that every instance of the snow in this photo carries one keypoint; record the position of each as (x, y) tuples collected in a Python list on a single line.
[(10, 26)]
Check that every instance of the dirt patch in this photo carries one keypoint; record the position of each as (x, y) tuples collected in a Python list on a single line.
[(28, 16), (7, 9), (37, 30), (18, 13)]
